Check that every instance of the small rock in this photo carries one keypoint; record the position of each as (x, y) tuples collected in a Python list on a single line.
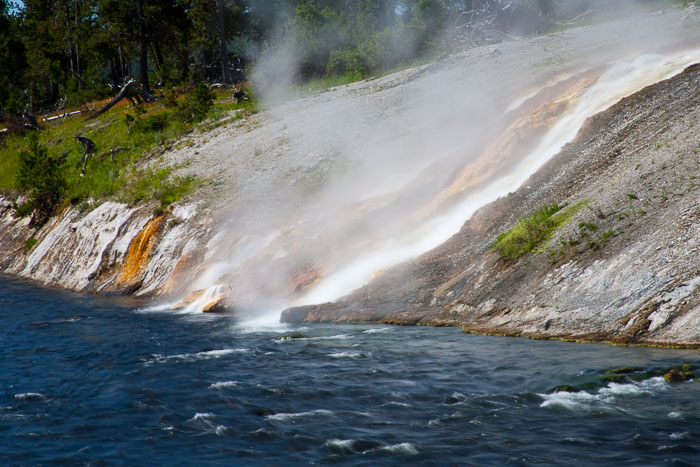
[(215, 306), (564, 388), (679, 375)]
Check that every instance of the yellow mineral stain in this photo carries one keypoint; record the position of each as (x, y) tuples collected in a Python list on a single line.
[(517, 138), (139, 252), (183, 273)]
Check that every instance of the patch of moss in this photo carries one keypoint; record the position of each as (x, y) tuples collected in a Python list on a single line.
[(615, 378), (679, 375), (623, 370), (29, 244), (591, 227), (534, 231)]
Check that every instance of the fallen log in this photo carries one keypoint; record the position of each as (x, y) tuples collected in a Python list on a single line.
[(64, 115), (129, 91)]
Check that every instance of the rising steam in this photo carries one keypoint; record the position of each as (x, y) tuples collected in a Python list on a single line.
[(364, 177)]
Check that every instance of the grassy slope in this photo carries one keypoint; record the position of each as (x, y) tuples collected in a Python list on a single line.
[(140, 135)]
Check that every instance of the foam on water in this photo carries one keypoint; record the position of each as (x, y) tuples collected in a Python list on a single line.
[(606, 398), (376, 330), (204, 421), (350, 355), (341, 445), (285, 339), (191, 357), (293, 416), (202, 416), (401, 448), (30, 396), (224, 385), (397, 404)]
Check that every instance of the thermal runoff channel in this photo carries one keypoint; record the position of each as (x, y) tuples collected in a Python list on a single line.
[(402, 180)]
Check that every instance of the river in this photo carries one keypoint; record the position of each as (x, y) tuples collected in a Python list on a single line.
[(99, 381)]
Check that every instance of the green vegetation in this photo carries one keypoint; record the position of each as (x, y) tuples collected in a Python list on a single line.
[(591, 227), (534, 231), (606, 237), (196, 105), (45, 163), (42, 178), (29, 244)]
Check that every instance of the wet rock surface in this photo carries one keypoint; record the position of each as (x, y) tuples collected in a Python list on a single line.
[(114, 248), (633, 276)]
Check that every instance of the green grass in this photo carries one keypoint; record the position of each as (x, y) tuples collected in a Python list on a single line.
[(137, 135), (29, 244), (534, 232), (8, 169)]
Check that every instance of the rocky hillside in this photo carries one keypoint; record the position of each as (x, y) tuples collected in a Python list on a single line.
[(624, 269)]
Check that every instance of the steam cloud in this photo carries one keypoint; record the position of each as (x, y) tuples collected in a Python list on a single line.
[(355, 170)]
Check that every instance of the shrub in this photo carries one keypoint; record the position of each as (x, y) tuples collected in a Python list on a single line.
[(532, 232), (29, 244), (153, 123), (196, 105), (43, 178), (168, 98), (591, 227), (174, 190), (347, 62)]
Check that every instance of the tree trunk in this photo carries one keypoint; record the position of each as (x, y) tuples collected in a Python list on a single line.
[(71, 45), (222, 43), (158, 59), (77, 47), (143, 59), (387, 13)]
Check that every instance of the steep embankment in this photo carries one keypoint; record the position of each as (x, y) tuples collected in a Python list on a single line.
[(625, 269), (115, 248)]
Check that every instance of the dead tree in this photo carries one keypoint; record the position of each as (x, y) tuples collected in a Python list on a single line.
[(30, 122), (89, 147), (222, 42), (62, 158), (129, 91), (113, 151)]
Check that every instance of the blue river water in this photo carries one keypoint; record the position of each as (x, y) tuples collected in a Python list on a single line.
[(99, 381)]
